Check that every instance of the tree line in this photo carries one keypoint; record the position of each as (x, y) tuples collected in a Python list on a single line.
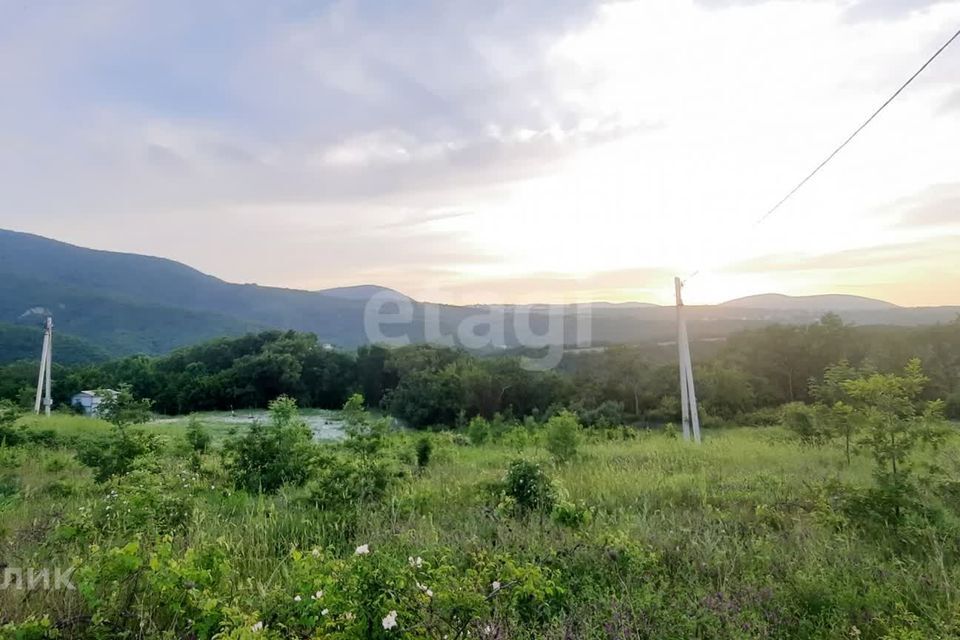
[(738, 379)]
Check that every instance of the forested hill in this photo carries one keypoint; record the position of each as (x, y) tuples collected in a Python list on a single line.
[(121, 304), (23, 343)]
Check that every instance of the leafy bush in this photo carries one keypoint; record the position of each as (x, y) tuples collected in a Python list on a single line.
[(117, 453), (342, 483), (197, 435), (563, 436), (424, 449), (269, 456), (478, 430), (121, 408), (606, 414), (9, 433), (571, 515), (765, 417), (952, 406), (528, 485), (802, 420)]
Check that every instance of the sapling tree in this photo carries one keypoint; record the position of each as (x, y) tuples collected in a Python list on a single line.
[(563, 436), (269, 456), (121, 408), (364, 432), (118, 453), (895, 417)]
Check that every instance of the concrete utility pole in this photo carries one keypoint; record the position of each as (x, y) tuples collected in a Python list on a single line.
[(46, 364), (688, 394)]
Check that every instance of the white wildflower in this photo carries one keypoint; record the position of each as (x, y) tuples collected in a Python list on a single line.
[(257, 628), (317, 595), (496, 585), (315, 553), (415, 562), (390, 621), (362, 550), (297, 598), (325, 612)]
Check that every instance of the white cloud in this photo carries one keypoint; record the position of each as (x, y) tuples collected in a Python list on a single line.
[(293, 146)]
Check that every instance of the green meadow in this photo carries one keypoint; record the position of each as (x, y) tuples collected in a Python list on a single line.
[(635, 534)]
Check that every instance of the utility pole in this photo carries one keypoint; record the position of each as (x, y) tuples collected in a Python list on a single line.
[(46, 364), (688, 394)]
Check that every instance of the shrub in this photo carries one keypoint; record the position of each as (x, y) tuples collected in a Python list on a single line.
[(121, 408), (9, 433), (563, 436), (802, 420), (197, 435), (606, 414), (570, 515), (117, 453), (478, 430), (424, 449), (763, 417), (528, 485), (269, 456), (349, 482), (952, 406)]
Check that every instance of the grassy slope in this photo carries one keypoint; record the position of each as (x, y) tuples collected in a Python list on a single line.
[(738, 516)]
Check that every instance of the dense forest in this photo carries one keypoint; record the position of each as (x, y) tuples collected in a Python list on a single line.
[(738, 379)]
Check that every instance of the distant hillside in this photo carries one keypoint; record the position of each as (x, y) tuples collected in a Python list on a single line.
[(120, 303), (829, 302), (23, 343)]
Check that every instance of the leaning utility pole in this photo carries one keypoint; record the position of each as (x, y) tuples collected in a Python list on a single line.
[(46, 364), (688, 394)]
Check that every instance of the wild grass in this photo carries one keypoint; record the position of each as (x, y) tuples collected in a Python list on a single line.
[(743, 537)]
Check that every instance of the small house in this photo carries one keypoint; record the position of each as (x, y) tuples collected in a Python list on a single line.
[(87, 402)]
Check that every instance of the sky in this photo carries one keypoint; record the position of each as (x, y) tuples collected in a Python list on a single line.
[(483, 151)]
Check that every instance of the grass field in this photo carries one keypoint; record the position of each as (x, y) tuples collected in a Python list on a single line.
[(750, 535)]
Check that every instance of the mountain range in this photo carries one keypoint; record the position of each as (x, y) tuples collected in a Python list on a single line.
[(110, 304)]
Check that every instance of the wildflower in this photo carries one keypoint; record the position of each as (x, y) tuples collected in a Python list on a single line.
[(325, 612), (390, 621), (297, 598), (496, 585), (415, 562), (349, 615), (315, 553), (362, 550), (257, 628), (317, 595)]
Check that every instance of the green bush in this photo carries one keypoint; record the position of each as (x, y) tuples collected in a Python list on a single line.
[(570, 515), (343, 483), (528, 485), (116, 454), (952, 406), (563, 436), (268, 456), (424, 449), (10, 434), (803, 421), (478, 430), (197, 435), (606, 414)]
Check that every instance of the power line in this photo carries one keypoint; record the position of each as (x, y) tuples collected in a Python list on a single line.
[(853, 135)]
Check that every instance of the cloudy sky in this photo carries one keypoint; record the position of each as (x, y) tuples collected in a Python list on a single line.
[(493, 150)]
